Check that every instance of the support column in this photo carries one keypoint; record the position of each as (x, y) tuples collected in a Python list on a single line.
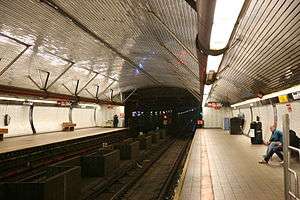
[(286, 165)]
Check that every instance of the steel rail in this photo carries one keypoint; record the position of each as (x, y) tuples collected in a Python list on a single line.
[(166, 186)]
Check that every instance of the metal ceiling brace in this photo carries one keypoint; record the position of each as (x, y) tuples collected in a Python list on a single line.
[(67, 89), (24, 92), (34, 82), (129, 95), (97, 91), (46, 81), (18, 56), (89, 92), (69, 61), (14, 39), (84, 28), (14, 60), (107, 87), (98, 73), (55, 80), (111, 94), (87, 84), (76, 89), (192, 3)]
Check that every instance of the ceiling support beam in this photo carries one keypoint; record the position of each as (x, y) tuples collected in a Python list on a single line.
[(33, 81), (14, 60), (46, 81), (87, 84), (89, 92), (97, 91), (14, 39), (107, 87), (17, 91), (192, 3), (67, 89), (129, 96), (18, 56), (91, 70), (59, 76), (84, 28)]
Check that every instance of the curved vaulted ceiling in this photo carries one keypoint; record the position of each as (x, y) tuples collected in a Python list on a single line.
[(119, 45), (263, 55)]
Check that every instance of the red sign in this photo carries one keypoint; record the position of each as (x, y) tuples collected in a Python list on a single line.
[(214, 105), (199, 122), (289, 107)]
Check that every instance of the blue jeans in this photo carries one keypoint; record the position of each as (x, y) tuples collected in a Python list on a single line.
[(273, 148), (270, 146)]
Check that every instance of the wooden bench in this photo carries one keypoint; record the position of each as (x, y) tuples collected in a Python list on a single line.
[(68, 126), (2, 132)]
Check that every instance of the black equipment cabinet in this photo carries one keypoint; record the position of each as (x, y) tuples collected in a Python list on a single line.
[(257, 127), (236, 126)]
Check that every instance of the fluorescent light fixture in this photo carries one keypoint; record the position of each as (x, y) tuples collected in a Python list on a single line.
[(11, 99), (42, 101), (207, 89), (268, 96), (27, 100), (213, 62), (225, 17), (88, 105)]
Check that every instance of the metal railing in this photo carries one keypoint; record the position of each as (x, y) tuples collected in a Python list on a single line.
[(291, 188)]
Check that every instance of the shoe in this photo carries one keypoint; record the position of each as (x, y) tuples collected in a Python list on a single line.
[(282, 162), (263, 162)]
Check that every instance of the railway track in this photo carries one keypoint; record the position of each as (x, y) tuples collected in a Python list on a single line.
[(130, 181), (149, 179)]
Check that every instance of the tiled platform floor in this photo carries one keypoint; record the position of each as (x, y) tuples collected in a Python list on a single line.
[(28, 141), (234, 170)]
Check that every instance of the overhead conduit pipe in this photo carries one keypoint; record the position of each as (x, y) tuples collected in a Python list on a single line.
[(205, 13)]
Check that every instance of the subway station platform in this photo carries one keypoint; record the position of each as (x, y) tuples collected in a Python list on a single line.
[(223, 166), (29, 141)]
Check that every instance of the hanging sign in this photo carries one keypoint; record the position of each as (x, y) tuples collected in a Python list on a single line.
[(283, 99), (289, 107), (296, 95)]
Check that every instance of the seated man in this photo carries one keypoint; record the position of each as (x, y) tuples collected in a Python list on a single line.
[(274, 145)]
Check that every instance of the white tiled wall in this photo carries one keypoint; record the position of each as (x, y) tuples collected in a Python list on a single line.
[(19, 124), (294, 116), (215, 118), (106, 113), (266, 114), (83, 118), (248, 120), (47, 119)]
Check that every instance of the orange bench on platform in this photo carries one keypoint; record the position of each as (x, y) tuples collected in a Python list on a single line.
[(68, 126), (2, 132)]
